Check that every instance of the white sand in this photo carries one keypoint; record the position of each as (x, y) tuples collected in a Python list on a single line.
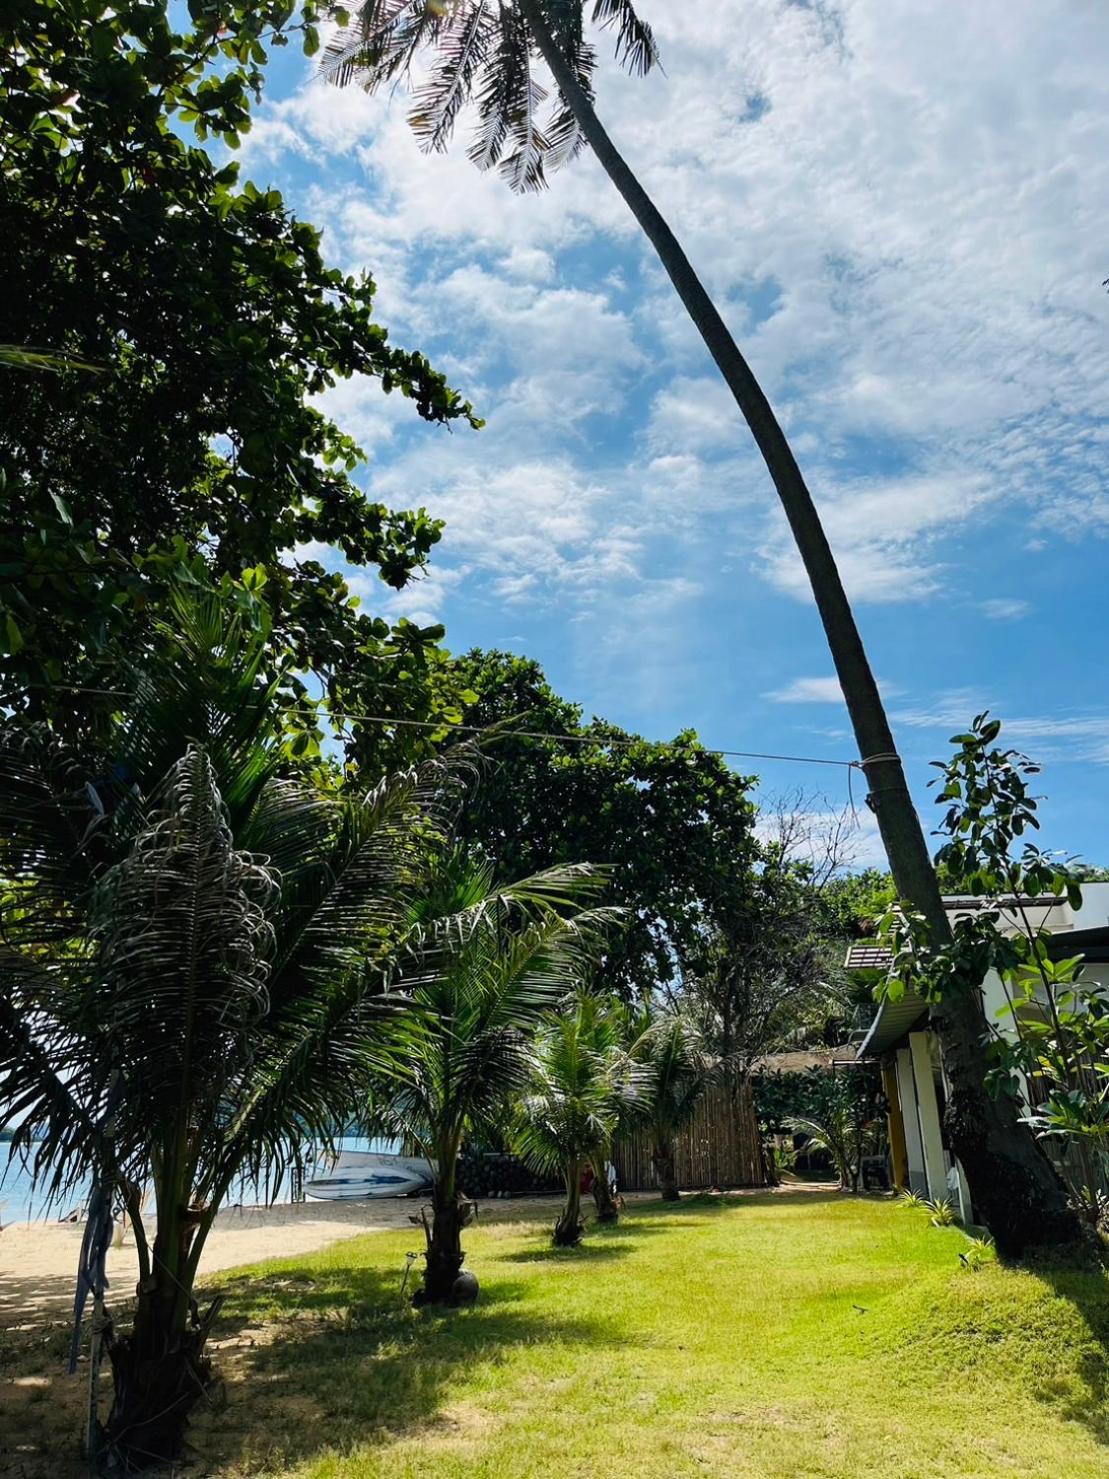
[(38, 1261)]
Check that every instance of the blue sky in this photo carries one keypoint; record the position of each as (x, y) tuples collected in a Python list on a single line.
[(900, 207)]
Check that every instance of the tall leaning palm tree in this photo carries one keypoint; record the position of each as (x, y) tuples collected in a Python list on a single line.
[(490, 961), (672, 1049), (482, 52), (196, 968)]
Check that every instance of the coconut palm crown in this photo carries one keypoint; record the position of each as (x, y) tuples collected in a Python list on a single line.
[(483, 51), (196, 971), (582, 1086), (490, 962), (672, 1049)]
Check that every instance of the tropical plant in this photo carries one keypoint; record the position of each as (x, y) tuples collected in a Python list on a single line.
[(941, 1212), (491, 962), (483, 51), (845, 1122), (581, 1083), (672, 1049), (1049, 1047), (196, 959)]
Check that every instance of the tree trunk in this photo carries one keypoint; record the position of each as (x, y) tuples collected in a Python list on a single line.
[(159, 1369), (444, 1256), (666, 1174), (607, 1210), (570, 1227), (1011, 1179)]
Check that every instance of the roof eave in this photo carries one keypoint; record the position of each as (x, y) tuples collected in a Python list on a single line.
[(893, 1021)]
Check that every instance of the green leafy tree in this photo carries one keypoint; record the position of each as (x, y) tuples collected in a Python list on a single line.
[(1050, 1054), (767, 970), (582, 1083), (672, 1049), (484, 52), (215, 325), (493, 960), (196, 961), (598, 794)]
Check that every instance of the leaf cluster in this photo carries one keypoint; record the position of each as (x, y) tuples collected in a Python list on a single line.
[(215, 324), (483, 53)]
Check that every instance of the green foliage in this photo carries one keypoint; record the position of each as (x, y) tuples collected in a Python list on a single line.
[(597, 795), (837, 1112), (979, 1253), (672, 1050), (766, 970), (581, 1084), (493, 959), (215, 323), (481, 54), (1054, 1030), (198, 920), (941, 1212)]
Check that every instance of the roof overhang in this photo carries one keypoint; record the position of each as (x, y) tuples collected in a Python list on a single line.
[(894, 1021)]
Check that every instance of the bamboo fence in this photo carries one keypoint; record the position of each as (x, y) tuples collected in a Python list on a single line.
[(718, 1147)]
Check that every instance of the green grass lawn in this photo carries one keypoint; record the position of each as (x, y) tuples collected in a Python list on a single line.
[(807, 1335)]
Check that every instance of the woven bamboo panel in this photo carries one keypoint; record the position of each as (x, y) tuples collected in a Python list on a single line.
[(718, 1147)]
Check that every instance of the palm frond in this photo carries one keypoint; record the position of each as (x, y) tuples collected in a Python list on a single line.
[(463, 49), (386, 36), (636, 47), (184, 943)]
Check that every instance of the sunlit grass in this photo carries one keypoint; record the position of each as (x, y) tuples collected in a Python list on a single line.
[(770, 1336)]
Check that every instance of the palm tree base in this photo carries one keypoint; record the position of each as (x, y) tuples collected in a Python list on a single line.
[(154, 1398), (568, 1232)]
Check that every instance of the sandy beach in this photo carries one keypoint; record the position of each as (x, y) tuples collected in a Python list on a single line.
[(38, 1260)]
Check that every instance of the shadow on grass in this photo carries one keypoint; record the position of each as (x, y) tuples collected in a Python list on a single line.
[(590, 1251), (1088, 1291), (330, 1361)]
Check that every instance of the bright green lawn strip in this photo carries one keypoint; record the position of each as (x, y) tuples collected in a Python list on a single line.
[(770, 1336)]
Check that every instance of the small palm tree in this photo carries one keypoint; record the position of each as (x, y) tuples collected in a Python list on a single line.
[(196, 969), (846, 1127), (483, 52), (492, 961), (582, 1084), (672, 1049)]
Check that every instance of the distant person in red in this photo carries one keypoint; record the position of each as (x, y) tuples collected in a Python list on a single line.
[(587, 1181)]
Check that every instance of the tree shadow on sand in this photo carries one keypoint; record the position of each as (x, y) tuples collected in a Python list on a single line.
[(329, 1362)]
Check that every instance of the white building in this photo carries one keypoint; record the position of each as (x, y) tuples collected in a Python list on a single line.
[(912, 1065)]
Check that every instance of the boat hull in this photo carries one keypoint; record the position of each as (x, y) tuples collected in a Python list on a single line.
[(357, 1175)]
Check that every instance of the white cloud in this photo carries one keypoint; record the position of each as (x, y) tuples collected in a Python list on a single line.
[(1063, 736), (906, 238), (817, 691), (808, 691), (1005, 608)]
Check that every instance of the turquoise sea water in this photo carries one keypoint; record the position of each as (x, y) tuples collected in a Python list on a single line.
[(20, 1202)]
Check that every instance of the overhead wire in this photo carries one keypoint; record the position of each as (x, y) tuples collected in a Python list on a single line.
[(504, 732)]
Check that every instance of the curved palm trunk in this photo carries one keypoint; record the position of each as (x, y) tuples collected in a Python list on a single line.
[(1015, 1188), (570, 1227), (665, 1167)]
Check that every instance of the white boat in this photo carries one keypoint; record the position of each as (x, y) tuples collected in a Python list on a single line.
[(355, 1174)]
